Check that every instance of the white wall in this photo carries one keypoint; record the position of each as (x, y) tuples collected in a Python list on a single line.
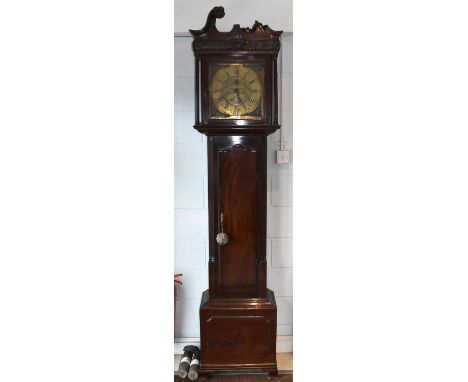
[(191, 214), (189, 14)]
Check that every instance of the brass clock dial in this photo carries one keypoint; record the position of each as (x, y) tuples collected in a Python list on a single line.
[(236, 91)]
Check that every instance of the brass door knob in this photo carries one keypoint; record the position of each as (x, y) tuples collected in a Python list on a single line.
[(222, 238)]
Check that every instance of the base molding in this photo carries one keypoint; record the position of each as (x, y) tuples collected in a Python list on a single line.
[(284, 344), (241, 368)]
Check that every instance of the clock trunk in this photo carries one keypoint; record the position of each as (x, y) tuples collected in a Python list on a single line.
[(237, 189)]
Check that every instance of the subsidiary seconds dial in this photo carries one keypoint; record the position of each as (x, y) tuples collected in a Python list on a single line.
[(235, 89)]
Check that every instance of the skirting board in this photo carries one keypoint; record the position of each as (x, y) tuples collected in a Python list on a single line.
[(284, 344)]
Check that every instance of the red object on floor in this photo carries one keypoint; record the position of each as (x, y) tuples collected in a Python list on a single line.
[(175, 295)]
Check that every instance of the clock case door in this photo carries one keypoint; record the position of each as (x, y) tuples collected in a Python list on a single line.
[(237, 188), (269, 115)]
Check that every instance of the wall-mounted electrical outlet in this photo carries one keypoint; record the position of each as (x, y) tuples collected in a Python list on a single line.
[(282, 156)]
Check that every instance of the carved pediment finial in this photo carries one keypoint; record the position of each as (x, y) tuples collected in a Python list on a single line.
[(259, 38), (215, 13)]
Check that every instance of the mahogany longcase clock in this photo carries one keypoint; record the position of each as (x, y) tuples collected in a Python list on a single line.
[(236, 106)]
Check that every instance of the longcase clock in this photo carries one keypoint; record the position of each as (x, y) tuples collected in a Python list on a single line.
[(236, 106)]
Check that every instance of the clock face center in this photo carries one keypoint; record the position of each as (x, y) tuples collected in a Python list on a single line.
[(235, 91)]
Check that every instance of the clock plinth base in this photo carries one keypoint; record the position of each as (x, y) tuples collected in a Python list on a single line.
[(238, 335)]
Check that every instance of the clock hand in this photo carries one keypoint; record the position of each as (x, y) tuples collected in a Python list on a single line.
[(238, 98)]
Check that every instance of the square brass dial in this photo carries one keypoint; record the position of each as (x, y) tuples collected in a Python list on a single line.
[(236, 91)]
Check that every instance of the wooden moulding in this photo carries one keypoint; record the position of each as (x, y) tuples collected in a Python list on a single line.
[(237, 130)]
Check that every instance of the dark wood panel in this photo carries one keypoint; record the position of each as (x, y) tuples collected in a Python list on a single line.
[(243, 337), (237, 201)]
